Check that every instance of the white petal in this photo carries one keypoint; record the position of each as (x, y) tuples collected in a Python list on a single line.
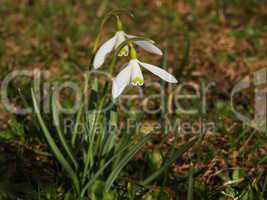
[(130, 36), (147, 45), (103, 51), (159, 72), (121, 81), (120, 38), (136, 74)]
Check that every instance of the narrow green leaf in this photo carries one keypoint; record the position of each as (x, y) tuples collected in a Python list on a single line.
[(109, 144), (190, 190), (163, 86), (59, 132), (114, 174), (76, 126), (54, 147), (101, 170), (92, 146)]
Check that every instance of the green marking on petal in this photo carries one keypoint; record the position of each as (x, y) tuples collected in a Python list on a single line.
[(138, 81), (124, 52)]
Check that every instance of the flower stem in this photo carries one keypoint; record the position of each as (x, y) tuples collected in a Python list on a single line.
[(133, 52), (119, 24)]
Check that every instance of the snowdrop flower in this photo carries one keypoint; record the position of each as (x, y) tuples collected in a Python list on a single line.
[(132, 74), (118, 39)]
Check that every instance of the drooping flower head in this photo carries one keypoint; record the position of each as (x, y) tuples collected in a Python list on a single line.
[(132, 74), (113, 43)]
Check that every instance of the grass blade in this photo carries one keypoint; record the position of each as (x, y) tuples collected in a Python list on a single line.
[(179, 152), (186, 51)]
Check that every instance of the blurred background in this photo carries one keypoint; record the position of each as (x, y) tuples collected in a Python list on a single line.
[(210, 41)]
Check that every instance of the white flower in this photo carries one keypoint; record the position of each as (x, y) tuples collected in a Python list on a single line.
[(115, 41), (132, 74)]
